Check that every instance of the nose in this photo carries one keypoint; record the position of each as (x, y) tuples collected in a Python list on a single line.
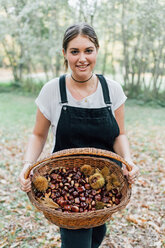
[(82, 58)]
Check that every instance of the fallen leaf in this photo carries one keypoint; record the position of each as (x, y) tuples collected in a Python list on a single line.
[(28, 207), (130, 218), (154, 226), (144, 206)]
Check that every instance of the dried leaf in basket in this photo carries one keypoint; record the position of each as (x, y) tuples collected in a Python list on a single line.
[(48, 202)]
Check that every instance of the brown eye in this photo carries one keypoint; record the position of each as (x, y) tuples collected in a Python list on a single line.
[(74, 52), (89, 51)]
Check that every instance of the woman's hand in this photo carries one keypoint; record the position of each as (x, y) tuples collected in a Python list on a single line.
[(131, 175), (25, 183)]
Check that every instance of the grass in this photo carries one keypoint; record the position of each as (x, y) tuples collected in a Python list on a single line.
[(17, 109), (144, 114)]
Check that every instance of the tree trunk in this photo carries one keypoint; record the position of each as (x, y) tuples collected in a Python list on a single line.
[(12, 61), (125, 45), (105, 57), (58, 65)]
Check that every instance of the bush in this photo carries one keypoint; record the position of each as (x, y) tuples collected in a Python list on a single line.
[(145, 96), (32, 86)]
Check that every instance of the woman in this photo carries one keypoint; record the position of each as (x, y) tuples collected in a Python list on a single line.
[(84, 110)]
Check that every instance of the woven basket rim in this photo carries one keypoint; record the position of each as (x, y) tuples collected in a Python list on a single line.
[(77, 151)]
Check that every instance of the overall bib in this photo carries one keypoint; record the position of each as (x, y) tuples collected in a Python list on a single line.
[(83, 127)]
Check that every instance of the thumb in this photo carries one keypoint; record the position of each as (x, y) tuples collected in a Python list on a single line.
[(31, 174), (125, 171)]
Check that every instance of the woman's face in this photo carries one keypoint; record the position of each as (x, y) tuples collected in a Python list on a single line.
[(81, 54)]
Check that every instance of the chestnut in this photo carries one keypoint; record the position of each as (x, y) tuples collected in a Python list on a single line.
[(63, 203), (115, 191), (105, 199), (88, 200), (71, 190), (98, 197), (83, 204), (87, 186), (60, 199), (39, 194), (67, 207), (81, 189), (77, 200), (76, 185), (52, 186), (81, 210), (57, 194), (119, 196), (82, 199), (117, 201), (75, 209), (53, 176), (75, 193), (94, 192)]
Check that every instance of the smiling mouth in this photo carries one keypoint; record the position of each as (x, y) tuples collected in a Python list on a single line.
[(82, 66)]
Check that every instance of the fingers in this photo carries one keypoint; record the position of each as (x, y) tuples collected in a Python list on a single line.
[(31, 173), (134, 172), (131, 175), (25, 184), (131, 181), (125, 171)]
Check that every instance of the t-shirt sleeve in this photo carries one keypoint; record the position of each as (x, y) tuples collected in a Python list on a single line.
[(117, 94), (43, 101)]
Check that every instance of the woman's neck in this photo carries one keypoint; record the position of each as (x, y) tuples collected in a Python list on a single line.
[(81, 81), (81, 90)]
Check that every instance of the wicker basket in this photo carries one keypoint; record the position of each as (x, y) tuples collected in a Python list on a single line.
[(75, 158)]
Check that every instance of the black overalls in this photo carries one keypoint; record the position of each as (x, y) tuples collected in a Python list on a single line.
[(84, 127)]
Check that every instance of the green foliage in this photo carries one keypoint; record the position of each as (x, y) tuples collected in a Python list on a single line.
[(28, 86), (144, 96), (131, 34), (32, 86)]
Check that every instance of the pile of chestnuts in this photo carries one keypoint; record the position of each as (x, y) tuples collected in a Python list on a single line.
[(78, 189)]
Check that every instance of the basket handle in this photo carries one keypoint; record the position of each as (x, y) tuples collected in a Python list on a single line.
[(80, 151)]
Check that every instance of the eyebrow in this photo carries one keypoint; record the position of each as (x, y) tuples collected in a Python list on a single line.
[(72, 48)]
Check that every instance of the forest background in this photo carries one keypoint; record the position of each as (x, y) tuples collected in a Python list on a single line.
[(131, 35), (132, 52)]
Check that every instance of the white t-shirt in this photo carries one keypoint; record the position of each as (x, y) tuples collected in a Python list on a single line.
[(49, 100)]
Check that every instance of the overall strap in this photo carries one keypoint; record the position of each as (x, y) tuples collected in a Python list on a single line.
[(63, 89), (105, 89)]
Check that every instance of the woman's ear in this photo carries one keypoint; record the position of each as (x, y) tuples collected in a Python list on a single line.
[(63, 51), (65, 59)]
